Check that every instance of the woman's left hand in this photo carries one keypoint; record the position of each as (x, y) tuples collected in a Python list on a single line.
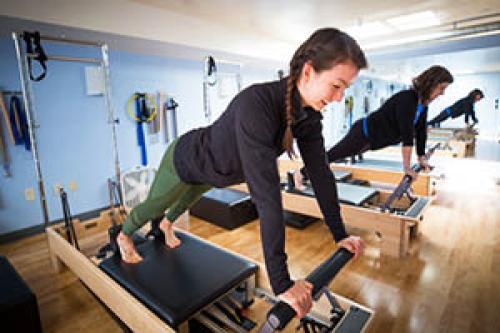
[(425, 165)]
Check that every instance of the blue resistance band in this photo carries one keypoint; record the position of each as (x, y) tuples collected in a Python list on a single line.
[(141, 140), (420, 109), (365, 127)]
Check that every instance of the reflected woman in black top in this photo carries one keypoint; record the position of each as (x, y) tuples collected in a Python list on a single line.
[(401, 119)]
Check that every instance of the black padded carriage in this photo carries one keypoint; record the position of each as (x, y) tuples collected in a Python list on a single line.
[(177, 283)]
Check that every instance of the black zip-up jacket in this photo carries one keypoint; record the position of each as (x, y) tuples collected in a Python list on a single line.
[(243, 145), (394, 123), (464, 106)]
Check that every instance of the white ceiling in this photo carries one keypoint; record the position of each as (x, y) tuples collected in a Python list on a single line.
[(293, 20), (486, 60), (271, 30)]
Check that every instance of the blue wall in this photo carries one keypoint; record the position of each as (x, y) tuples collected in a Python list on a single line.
[(74, 138)]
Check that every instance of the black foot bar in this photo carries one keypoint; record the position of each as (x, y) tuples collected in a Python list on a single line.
[(282, 313)]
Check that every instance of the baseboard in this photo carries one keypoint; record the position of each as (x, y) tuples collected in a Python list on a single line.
[(39, 228)]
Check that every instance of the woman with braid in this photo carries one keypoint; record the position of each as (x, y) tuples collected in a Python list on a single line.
[(401, 119), (243, 145)]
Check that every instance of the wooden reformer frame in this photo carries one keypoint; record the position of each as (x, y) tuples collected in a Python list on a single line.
[(125, 306), (397, 231), (424, 185)]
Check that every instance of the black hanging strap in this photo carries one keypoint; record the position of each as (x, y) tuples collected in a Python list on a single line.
[(68, 221), (33, 47)]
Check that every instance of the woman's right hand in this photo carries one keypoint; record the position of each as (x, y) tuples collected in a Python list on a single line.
[(353, 244), (299, 297)]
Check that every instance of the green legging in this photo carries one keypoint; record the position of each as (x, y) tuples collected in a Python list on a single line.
[(167, 191)]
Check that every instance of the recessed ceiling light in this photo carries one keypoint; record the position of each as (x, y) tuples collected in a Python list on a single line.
[(371, 29), (414, 21), (406, 40)]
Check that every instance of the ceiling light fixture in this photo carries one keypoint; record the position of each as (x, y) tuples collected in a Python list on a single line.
[(368, 30), (401, 41), (414, 21)]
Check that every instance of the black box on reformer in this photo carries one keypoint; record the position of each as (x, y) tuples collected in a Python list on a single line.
[(18, 306), (226, 208), (298, 221)]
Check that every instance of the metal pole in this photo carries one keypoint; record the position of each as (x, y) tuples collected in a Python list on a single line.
[(228, 62), (238, 79), (111, 117), (28, 104), (69, 41), (65, 58), (206, 101), (12, 92)]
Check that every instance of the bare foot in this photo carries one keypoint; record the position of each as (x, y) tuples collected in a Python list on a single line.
[(298, 179), (171, 239), (127, 249)]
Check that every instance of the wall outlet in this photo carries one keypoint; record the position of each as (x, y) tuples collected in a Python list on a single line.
[(72, 186), (57, 189), (29, 194)]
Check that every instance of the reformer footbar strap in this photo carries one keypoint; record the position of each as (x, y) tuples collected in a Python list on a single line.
[(32, 39), (68, 220)]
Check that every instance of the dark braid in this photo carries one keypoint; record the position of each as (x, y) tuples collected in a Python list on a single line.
[(324, 49), (289, 117)]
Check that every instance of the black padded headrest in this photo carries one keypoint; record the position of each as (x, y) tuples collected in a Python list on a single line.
[(177, 283), (348, 193), (227, 195), (380, 164), (342, 175)]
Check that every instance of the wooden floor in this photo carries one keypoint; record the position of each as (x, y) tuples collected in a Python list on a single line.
[(451, 285)]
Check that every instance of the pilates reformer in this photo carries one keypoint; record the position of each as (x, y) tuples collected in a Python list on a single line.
[(459, 142), (362, 195), (354, 319), (455, 142), (138, 294), (213, 300), (378, 171), (141, 300), (361, 207), (458, 133)]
